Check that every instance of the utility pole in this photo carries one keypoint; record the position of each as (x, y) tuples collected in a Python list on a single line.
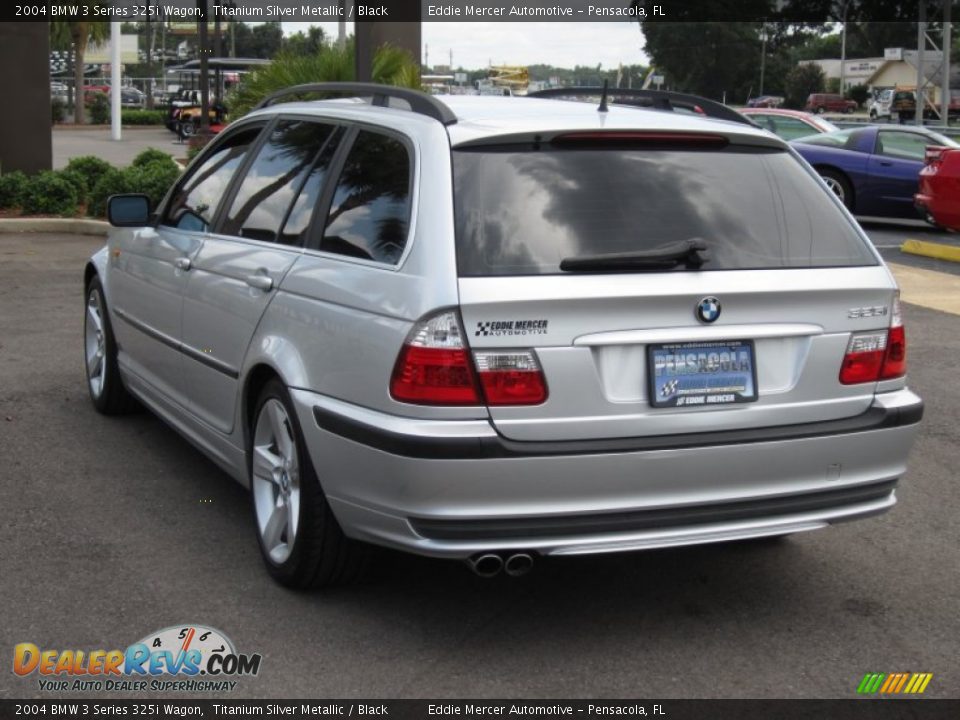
[(763, 55), (921, 45), (115, 89), (843, 47), (204, 70), (342, 24), (945, 77)]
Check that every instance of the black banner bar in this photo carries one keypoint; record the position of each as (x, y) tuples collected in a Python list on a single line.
[(857, 709), (794, 11)]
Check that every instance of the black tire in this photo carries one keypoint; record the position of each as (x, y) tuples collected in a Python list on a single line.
[(187, 129), (108, 394), (821, 110), (840, 184), (321, 555)]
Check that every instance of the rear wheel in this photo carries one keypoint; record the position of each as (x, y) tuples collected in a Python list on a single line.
[(300, 540), (106, 388), (840, 185)]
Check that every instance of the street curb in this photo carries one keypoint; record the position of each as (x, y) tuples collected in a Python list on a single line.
[(68, 226), (938, 251)]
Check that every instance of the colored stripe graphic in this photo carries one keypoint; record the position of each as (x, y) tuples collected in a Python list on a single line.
[(918, 683), (894, 683), (870, 683)]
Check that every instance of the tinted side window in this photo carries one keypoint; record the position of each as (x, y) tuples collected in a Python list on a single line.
[(301, 215), (271, 183), (195, 201), (370, 213)]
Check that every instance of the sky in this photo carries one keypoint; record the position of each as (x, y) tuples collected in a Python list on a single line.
[(477, 45)]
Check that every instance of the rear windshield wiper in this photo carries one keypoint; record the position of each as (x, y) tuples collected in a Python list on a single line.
[(692, 253)]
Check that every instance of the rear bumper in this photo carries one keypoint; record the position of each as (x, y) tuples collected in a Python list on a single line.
[(939, 204), (456, 488)]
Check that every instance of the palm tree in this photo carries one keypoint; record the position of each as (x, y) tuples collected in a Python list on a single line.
[(64, 33), (391, 66)]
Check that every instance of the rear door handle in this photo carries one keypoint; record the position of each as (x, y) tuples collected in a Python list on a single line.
[(182, 263), (886, 163), (260, 282)]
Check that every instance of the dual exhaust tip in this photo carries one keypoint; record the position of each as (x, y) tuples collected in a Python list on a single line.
[(490, 565)]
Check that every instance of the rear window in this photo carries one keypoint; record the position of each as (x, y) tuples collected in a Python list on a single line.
[(520, 211)]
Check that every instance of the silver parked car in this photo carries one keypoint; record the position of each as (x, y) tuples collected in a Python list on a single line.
[(497, 328)]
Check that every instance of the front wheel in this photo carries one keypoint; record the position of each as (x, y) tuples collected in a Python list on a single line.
[(106, 388), (300, 539), (821, 110)]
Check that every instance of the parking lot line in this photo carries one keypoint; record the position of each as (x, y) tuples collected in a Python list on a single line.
[(928, 288)]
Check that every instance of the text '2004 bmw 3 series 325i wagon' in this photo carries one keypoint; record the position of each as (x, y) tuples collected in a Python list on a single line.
[(496, 328)]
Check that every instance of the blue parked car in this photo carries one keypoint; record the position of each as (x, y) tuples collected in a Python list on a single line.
[(873, 170)]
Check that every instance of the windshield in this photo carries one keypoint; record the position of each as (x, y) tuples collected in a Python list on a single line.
[(521, 210)]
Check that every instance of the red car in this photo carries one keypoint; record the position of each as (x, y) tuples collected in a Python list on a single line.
[(938, 199), (829, 102)]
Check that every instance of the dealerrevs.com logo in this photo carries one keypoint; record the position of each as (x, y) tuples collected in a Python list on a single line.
[(185, 657)]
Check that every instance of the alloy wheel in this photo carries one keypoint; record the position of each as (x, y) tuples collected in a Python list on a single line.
[(276, 481), (95, 344)]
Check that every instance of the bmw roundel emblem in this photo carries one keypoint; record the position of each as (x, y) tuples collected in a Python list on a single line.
[(708, 310)]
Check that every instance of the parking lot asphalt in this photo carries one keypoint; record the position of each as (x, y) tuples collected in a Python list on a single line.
[(70, 142), (111, 528)]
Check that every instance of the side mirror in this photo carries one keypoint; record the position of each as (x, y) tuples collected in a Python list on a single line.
[(128, 210)]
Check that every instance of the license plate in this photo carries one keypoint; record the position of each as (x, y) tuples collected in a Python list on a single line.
[(701, 373)]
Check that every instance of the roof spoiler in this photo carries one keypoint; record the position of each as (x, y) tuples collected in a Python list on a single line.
[(419, 102), (657, 99)]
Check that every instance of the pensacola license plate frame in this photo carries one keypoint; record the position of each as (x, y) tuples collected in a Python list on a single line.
[(700, 399)]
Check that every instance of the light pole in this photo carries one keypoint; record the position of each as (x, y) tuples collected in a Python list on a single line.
[(763, 55)]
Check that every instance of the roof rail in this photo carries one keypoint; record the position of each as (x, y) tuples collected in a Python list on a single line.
[(419, 102), (658, 99)]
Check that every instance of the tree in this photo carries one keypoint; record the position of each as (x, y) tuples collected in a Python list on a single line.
[(305, 44), (391, 66), (260, 41), (803, 81), (79, 34), (705, 58)]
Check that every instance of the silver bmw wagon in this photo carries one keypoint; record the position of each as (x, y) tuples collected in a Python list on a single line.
[(500, 328)]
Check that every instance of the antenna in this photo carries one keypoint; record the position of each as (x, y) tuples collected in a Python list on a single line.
[(603, 98)]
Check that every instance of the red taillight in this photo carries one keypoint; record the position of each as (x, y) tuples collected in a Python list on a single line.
[(511, 377), (864, 358), (434, 366), (933, 154), (880, 355), (895, 360)]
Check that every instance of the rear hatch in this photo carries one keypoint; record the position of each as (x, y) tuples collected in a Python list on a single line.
[(666, 283)]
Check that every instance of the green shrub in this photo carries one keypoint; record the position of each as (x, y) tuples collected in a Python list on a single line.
[(92, 168), (100, 109), (112, 182), (152, 180), (79, 182), (11, 189), (151, 156), (49, 193), (132, 116), (58, 110)]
